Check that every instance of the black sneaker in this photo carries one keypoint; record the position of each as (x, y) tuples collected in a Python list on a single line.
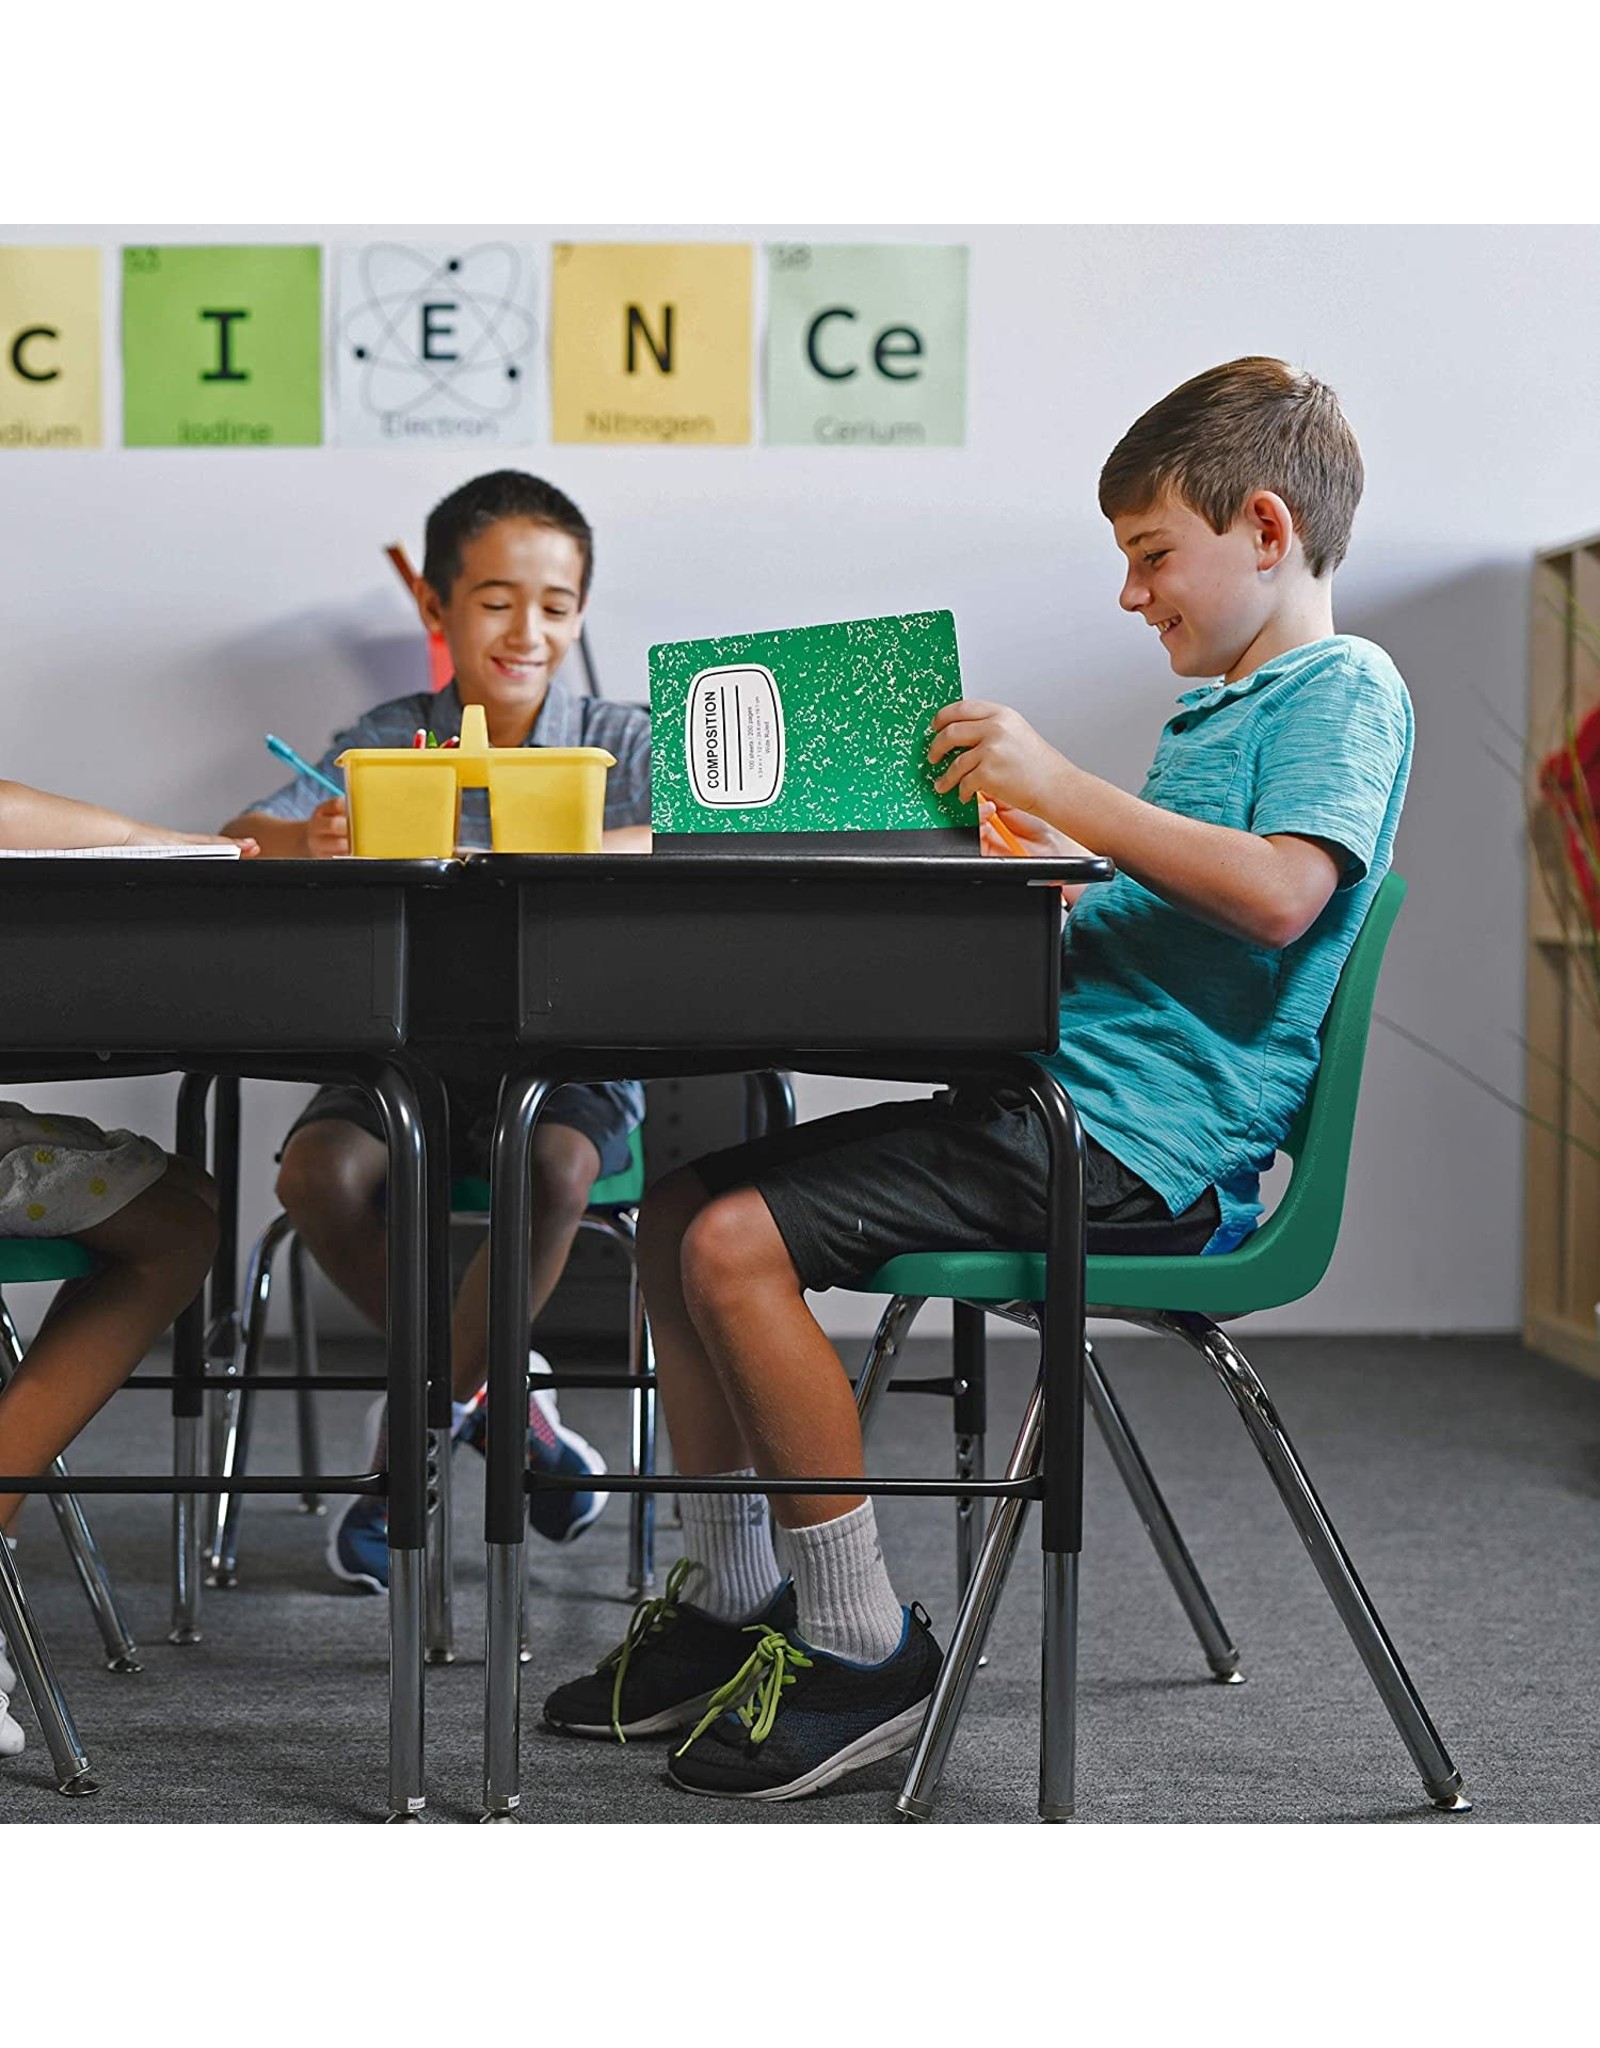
[(795, 1718), (663, 1674)]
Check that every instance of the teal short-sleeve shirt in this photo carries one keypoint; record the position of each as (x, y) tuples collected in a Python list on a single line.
[(1188, 1052)]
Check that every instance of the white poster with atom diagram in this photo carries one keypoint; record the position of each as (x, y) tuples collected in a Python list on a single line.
[(436, 346)]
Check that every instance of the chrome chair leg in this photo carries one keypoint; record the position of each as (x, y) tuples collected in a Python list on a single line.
[(122, 1653), (186, 1435), (304, 1326), (440, 1551), (1162, 1530), (1441, 1780), (223, 1563), (26, 1646), (916, 1796), (642, 1513), (878, 1369)]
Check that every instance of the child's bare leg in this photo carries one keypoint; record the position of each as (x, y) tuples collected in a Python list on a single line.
[(779, 1376), (154, 1255), (706, 1437), (329, 1181), (782, 1381), (565, 1166)]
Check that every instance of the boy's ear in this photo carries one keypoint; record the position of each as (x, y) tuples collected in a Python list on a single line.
[(428, 605), (1274, 528)]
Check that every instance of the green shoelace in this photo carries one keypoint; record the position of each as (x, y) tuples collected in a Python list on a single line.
[(756, 1689), (647, 1619)]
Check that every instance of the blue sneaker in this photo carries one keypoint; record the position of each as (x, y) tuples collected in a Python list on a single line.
[(358, 1544), (552, 1447)]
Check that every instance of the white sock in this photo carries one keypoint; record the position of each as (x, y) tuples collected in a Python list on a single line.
[(729, 1535), (847, 1605)]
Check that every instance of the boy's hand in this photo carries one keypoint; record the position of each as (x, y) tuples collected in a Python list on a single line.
[(328, 830), (1001, 755), (1018, 835)]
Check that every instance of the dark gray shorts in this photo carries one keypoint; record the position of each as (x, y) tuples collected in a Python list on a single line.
[(599, 1109), (964, 1172)]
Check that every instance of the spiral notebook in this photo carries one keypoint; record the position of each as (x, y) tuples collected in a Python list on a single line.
[(176, 852)]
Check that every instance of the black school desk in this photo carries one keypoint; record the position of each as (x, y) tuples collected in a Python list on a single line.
[(935, 969), (287, 970)]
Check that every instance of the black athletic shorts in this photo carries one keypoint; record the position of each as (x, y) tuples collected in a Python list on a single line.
[(966, 1171), (602, 1110)]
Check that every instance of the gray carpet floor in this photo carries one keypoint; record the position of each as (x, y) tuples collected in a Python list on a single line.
[(1462, 1473)]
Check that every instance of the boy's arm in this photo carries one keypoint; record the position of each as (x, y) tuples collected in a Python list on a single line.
[(1268, 889), (36, 818), (322, 836)]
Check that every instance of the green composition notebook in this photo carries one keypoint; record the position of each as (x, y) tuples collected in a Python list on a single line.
[(801, 735)]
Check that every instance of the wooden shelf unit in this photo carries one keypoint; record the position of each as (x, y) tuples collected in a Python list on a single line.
[(1561, 1232)]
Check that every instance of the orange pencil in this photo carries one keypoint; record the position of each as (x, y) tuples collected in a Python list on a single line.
[(1007, 837)]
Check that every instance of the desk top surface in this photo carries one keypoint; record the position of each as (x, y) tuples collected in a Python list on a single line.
[(23, 879)]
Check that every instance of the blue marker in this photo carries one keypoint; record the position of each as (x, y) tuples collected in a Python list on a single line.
[(287, 753)]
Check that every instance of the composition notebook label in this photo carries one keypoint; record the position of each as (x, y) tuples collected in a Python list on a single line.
[(816, 729)]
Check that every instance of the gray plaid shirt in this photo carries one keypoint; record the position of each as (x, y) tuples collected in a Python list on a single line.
[(566, 719)]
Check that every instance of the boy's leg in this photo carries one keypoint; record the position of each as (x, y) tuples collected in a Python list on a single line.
[(330, 1182), (565, 1166), (154, 1255)]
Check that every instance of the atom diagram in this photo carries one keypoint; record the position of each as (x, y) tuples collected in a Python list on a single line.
[(431, 327)]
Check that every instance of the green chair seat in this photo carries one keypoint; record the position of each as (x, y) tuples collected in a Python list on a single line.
[(42, 1258), (1283, 1260), (623, 1190)]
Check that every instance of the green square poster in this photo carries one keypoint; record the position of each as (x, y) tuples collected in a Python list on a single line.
[(221, 346), (811, 731)]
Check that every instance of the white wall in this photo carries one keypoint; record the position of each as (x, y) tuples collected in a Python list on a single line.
[(159, 610)]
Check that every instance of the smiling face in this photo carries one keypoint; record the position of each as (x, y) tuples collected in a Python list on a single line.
[(509, 618), (1213, 597)]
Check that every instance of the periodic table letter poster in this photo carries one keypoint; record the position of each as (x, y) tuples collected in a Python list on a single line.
[(866, 345), (49, 348), (222, 347), (436, 346), (651, 341)]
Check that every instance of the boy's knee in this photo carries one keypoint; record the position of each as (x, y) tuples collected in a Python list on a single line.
[(666, 1212), (329, 1171), (564, 1167), (731, 1242)]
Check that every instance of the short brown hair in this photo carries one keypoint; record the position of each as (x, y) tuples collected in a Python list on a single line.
[(1256, 424)]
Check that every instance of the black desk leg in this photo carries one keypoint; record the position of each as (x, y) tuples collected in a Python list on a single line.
[(505, 1484), (224, 1331), (188, 1394), (439, 1620), (396, 1097), (1061, 1463)]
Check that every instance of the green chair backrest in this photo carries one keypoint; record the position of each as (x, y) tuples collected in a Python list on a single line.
[(1285, 1258), (621, 1190)]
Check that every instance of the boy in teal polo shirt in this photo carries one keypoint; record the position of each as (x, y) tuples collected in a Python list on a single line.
[(1195, 986)]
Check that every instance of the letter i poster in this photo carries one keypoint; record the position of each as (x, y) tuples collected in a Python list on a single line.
[(221, 347), (801, 735)]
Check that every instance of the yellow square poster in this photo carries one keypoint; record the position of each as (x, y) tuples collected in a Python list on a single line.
[(651, 341), (49, 348)]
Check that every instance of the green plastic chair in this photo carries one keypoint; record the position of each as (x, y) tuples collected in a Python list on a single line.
[(1186, 1296), (46, 1259)]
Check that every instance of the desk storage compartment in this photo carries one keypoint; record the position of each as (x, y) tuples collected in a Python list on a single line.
[(797, 962), (157, 964)]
